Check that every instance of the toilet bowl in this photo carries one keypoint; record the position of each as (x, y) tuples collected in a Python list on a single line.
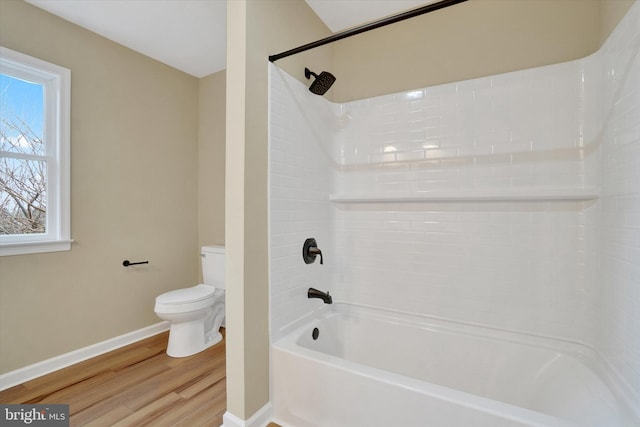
[(196, 313)]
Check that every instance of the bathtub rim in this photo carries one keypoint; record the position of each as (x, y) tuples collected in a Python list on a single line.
[(585, 353)]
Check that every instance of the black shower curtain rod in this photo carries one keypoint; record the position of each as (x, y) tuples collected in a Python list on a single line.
[(367, 27)]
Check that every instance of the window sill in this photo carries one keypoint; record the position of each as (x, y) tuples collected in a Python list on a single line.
[(24, 248)]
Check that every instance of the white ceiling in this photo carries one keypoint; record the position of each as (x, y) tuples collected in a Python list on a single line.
[(190, 35)]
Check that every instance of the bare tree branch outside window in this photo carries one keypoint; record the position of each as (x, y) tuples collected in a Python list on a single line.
[(23, 195)]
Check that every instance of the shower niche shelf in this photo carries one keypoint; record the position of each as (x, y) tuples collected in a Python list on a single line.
[(507, 195)]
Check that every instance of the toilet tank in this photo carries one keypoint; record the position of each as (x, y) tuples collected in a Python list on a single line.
[(213, 265)]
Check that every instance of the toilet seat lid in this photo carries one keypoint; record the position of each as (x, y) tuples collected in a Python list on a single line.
[(186, 295)]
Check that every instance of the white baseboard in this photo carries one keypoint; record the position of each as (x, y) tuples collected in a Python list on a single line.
[(260, 419), (36, 370)]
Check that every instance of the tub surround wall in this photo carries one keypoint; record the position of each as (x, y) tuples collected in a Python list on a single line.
[(528, 130), (300, 175), (427, 204), (478, 201), (619, 330), (465, 242)]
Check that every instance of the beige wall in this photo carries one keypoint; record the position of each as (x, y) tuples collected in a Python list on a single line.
[(611, 12), (211, 158), (133, 195), (255, 29), (473, 39)]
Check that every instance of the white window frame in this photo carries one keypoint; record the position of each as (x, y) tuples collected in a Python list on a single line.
[(56, 81)]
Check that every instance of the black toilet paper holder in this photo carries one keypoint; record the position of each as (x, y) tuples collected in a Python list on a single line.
[(127, 263)]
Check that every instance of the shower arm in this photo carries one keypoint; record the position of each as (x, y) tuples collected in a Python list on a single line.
[(367, 27)]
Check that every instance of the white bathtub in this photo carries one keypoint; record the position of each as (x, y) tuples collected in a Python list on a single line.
[(373, 368)]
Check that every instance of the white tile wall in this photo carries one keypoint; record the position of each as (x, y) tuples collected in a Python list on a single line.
[(522, 266), (526, 266), (300, 180), (620, 304), (518, 130), (529, 266)]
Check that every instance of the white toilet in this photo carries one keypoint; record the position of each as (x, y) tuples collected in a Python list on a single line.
[(196, 313)]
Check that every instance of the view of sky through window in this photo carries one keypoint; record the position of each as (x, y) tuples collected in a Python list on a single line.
[(22, 111)]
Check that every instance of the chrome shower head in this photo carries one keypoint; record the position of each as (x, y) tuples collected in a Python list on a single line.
[(322, 83)]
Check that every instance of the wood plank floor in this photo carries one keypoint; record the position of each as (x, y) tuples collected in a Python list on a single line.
[(136, 385)]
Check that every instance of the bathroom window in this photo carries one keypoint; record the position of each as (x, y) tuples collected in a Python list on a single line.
[(34, 155)]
